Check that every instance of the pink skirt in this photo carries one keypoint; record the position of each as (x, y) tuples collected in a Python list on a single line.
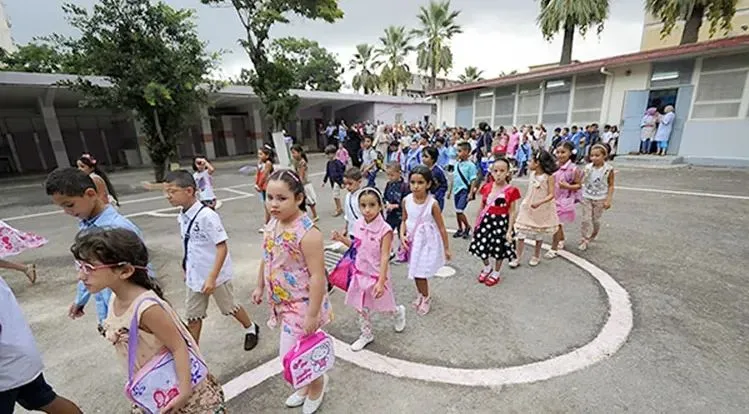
[(360, 294), (13, 242)]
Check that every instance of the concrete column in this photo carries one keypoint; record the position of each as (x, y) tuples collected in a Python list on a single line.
[(257, 127), (140, 134), (47, 108), (298, 132), (207, 133), (231, 144)]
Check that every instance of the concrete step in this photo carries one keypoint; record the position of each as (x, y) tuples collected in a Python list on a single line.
[(649, 161)]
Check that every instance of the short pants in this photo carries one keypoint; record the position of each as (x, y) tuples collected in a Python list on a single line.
[(32, 396), (662, 145), (197, 302), (461, 201)]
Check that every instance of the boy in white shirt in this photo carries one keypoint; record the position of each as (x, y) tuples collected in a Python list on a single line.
[(206, 261), (21, 377), (369, 162), (352, 182)]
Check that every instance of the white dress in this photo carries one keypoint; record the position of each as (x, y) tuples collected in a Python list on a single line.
[(427, 249)]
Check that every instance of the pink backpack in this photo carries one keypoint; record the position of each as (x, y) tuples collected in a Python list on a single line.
[(312, 356)]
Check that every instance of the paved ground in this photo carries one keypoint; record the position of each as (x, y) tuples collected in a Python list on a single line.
[(675, 240)]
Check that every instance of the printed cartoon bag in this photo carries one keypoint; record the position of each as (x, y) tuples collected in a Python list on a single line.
[(156, 382), (341, 275), (312, 356)]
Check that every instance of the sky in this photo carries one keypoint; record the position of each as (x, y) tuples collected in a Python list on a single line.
[(498, 35)]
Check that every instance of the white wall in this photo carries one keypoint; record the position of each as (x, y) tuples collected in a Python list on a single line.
[(716, 142), (638, 79), (386, 112), (446, 109), (356, 113)]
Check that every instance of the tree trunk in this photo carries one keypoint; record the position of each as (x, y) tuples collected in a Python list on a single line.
[(433, 79), (159, 171), (569, 37), (691, 33)]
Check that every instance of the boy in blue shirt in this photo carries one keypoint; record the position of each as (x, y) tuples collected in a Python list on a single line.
[(464, 188), (75, 192)]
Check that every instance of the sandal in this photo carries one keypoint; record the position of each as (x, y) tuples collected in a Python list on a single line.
[(493, 279), (30, 273), (514, 264), (534, 261), (551, 254), (583, 245), (483, 275)]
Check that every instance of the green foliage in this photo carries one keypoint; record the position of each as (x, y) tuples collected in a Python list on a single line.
[(718, 12), (313, 67), (394, 49), (437, 28), (41, 56), (154, 62), (269, 80), (363, 63), (569, 15), (471, 74)]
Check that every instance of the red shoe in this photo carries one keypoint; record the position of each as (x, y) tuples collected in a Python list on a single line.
[(492, 280), (483, 275)]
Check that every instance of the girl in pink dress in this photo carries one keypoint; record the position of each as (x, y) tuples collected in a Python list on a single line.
[(292, 275), (371, 289), (567, 185), (13, 242)]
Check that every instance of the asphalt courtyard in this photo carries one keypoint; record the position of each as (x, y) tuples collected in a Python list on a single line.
[(652, 318)]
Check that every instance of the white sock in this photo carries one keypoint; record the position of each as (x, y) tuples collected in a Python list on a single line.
[(487, 268), (252, 329)]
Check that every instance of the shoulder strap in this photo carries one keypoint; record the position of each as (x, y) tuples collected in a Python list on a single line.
[(186, 238), (460, 173), (351, 206)]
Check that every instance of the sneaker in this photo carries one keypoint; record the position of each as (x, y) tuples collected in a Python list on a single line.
[(362, 342), (417, 302), (424, 306), (458, 234), (551, 254), (296, 399), (561, 245), (251, 337), (467, 235), (311, 406), (514, 264), (534, 261), (400, 319)]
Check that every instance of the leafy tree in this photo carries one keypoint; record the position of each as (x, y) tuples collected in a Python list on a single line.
[(41, 56), (271, 81), (314, 68), (394, 49), (154, 62), (437, 28), (510, 73), (471, 74), (718, 12), (363, 63), (568, 16)]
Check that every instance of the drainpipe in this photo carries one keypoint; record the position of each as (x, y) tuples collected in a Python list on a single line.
[(605, 71)]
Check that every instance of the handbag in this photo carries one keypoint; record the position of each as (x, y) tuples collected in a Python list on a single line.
[(312, 356), (156, 383), (343, 271), (404, 253)]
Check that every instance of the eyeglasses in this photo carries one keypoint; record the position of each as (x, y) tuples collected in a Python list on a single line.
[(88, 268)]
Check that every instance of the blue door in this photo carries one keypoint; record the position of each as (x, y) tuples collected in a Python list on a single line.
[(682, 108), (635, 103)]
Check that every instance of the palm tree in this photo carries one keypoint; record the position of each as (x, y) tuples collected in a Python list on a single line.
[(392, 54), (718, 12), (437, 27), (471, 74), (569, 15), (363, 62)]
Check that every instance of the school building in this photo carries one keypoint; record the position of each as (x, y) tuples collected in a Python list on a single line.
[(706, 82), (43, 126)]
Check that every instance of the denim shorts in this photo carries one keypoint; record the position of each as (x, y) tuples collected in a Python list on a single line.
[(461, 201)]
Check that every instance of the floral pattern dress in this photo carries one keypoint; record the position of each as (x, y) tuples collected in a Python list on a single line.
[(287, 277), (13, 242)]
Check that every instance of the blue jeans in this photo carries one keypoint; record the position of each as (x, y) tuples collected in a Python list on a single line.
[(371, 176), (645, 146)]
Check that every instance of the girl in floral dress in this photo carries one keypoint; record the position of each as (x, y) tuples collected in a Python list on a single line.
[(567, 185), (13, 242), (292, 276)]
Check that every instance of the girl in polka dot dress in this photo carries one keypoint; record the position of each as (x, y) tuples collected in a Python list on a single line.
[(493, 237)]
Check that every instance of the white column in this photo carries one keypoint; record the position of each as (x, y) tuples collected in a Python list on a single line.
[(517, 102), (571, 104), (207, 133), (46, 107), (257, 127), (298, 132), (140, 134), (231, 144), (541, 102)]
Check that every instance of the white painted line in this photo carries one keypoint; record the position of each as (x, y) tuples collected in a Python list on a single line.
[(165, 212), (231, 190), (252, 378), (685, 193)]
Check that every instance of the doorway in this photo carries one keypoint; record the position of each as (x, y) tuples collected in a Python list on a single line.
[(661, 98)]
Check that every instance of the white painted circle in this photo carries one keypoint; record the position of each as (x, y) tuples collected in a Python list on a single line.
[(445, 271), (611, 337)]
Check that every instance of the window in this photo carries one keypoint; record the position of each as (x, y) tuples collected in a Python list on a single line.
[(483, 107), (504, 106), (586, 106), (528, 103), (671, 74), (556, 101), (721, 87)]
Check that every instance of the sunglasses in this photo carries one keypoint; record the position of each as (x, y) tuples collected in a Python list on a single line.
[(88, 268)]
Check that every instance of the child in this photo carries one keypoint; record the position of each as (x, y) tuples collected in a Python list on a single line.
[(395, 190), (464, 182), (412, 158), (342, 154), (522, 155), (537, 215), (443, 160), (301, 166), (371, 288), (117, 259), (104, 187), (494, 232), (266, 158), (352, 181), (452, 159), (423, 234), (202, 176), (394, 152), (429, 157), (21, 377), (75, 192), (369, 162), (334, 171), (598, 191), (14, 242), (566, 193), (292, 276), (206, 260)]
